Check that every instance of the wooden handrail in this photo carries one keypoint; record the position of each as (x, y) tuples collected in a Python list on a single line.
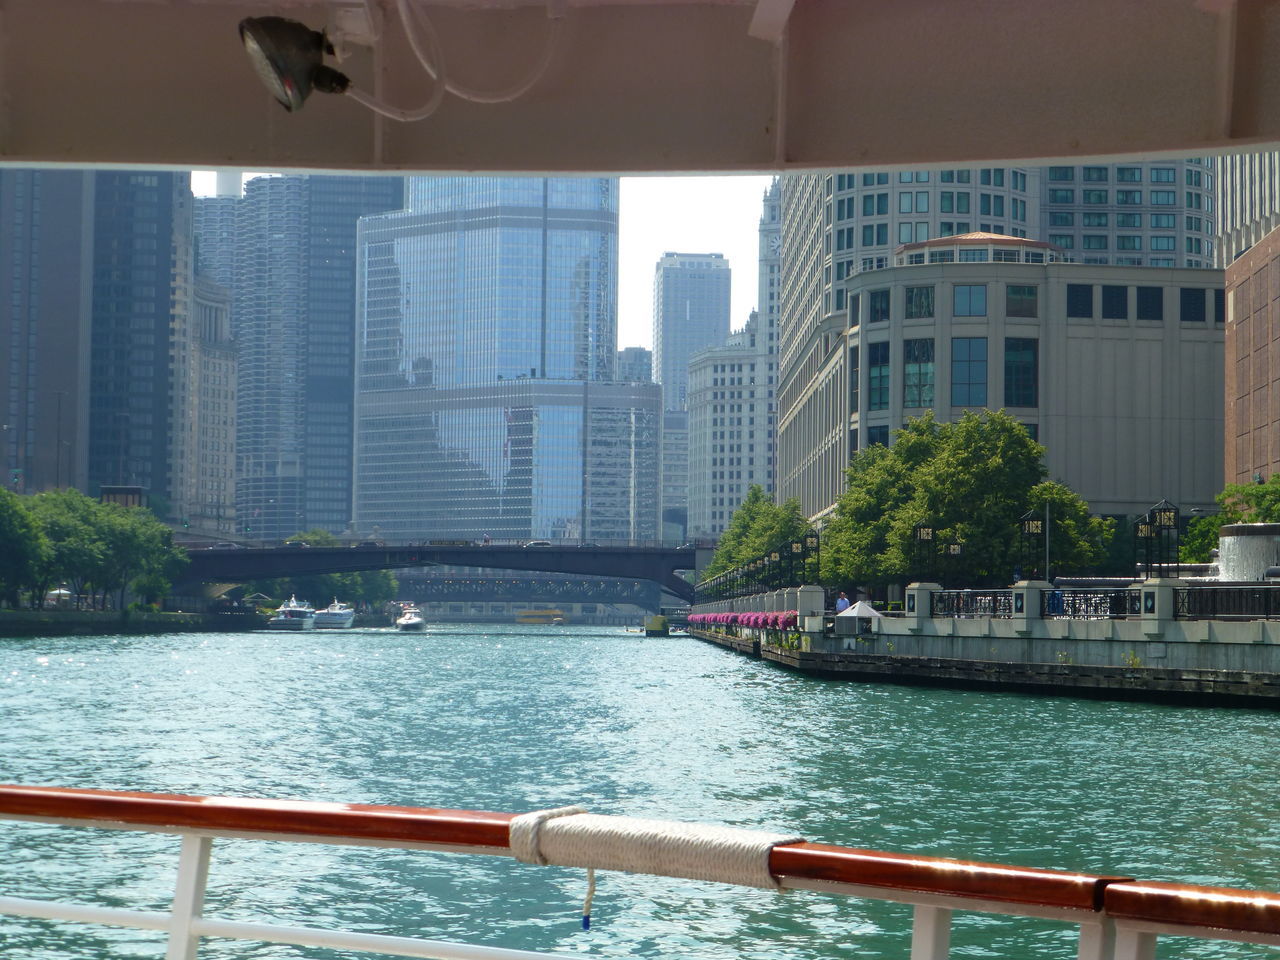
[(355, 821), (1119, 897), (1176, 904)]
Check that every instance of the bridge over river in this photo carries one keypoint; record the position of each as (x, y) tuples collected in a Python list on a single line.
[(635, 561)]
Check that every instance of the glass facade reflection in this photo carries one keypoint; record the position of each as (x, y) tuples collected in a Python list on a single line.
[(485, 403)]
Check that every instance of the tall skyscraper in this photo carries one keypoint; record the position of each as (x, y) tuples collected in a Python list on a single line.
[(731, 399), (690, 313), (45, 288), (487, 347), (143, 270), (293, 318)]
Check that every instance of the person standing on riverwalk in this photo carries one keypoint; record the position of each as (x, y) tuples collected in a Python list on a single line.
[(842, 603)]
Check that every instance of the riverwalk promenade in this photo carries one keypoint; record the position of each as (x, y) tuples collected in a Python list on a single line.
[(1155, 640)]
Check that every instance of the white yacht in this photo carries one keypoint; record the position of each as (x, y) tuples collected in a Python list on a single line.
[(293, 615), (336, 616), (411, 619)]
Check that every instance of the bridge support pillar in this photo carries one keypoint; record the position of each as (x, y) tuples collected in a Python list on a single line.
[(918, 605), (1158, 604), (1026, 604)]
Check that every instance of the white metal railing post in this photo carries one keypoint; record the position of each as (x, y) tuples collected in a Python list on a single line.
[(930, 933), (188, 897), (1135, 944), (1097, 940)]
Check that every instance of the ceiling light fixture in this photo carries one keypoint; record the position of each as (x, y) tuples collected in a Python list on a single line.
[(288, 57)]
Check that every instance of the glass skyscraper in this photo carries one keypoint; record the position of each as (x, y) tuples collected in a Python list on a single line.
[(292, 269), (487, 347)]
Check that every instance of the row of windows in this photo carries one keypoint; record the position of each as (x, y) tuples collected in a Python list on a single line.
[(1194, 178), (1148, 303), (987, 177), (1160, 198), (1157, 221), (967, 300), (968, 373)]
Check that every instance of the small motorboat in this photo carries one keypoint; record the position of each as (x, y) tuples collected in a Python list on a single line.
[(293, 615), (410, 619), (336, 616)]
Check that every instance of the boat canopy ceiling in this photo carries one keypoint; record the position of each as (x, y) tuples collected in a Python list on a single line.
[(633, 86)]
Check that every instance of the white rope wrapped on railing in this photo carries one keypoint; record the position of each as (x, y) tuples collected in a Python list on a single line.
[(571, 837)]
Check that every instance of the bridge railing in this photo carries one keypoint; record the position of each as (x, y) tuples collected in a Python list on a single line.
[(1117, 918), (523, 542)]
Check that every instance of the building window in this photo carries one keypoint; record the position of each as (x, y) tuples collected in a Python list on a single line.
[(1094, 241), (1095, 196), (1164, 198), (974, 255), (877, 435), (1021, 372), (1162, 174), (1128, 196), (917, 372), (1129, 174), (970, 300), (1062, 174), (942, 256), (878, 376), (969, 371), (1063, 196), (1115, 303), (1020, 301), (1192, 299), (1064, 240), (1129, 220), (1128, 242), (878, 306), (1219, 304), (1033, 430), (1162, 243), (1162, 221), (1095, 174), (1150, 303), (1062, 219), (853, 382), (1080, 300), (1094, 219), (919, 302)]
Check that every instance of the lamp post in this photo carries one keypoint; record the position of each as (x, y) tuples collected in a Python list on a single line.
[(1033, 528), (923, 534)]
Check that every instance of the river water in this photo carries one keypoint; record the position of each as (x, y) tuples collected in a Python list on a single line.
[(524, 718)]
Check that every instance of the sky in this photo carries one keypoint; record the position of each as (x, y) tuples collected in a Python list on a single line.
[(660, 214)]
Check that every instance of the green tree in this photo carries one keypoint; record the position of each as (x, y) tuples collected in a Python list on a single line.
[(968, 481), (25, 548), (735, 544), (67, 519), (140, 553)]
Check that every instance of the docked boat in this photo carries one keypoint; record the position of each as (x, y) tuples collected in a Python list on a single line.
[(410, 619), (293, 615), (545, 615), (336, 616)]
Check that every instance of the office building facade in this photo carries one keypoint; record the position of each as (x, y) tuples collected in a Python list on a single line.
[(1252, 382), (46, 247), (486, 399), (1116, 371), (292, 275), (732, 399), (143, 270), (690, 313), (635, 365)]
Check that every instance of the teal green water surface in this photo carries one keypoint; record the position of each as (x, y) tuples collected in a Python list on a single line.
[(524, 718)]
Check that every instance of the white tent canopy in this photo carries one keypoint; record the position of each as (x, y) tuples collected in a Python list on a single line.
[(860, 609)]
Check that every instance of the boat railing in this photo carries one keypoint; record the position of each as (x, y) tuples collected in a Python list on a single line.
[(1118, 918)]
